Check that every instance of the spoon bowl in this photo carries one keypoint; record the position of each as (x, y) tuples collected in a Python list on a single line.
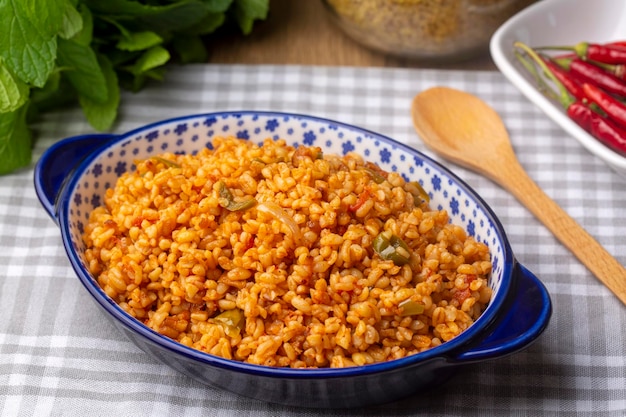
[(458, 127), (466, 130)]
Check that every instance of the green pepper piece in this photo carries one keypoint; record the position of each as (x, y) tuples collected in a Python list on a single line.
[(418, 192), (390, 247), (376, 177), (228, 201), (166, 162), (232, 321), (411, 308)]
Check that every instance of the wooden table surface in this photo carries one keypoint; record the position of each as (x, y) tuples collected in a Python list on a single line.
[(300, 32)]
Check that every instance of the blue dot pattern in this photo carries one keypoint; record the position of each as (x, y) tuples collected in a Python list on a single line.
[(190, 134)]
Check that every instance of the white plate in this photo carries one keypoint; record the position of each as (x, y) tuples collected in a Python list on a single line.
[(560, 22)]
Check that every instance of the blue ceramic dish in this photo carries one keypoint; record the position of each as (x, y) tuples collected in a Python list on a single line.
[(72, 176)]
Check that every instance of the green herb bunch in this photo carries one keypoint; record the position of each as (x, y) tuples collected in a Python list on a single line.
[(59, 52)]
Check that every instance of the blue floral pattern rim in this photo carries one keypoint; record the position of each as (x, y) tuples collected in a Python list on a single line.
[(100, 170)]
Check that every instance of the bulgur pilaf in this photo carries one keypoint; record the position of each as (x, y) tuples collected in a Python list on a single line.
[(283, 256)]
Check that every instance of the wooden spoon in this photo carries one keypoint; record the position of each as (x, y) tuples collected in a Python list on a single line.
[(464, 129)]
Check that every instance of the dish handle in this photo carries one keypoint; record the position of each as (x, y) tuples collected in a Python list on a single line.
[(526, 318), (57, 163)]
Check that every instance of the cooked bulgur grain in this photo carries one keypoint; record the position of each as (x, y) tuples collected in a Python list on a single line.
[(282, 256), (424, 28)]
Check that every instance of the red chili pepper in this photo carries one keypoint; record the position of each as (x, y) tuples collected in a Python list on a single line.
[(581, 114), (606, 53), (599, 127), (618, 70), (595, 75), (616, 44), (572, 83), (609, 133), (612, 107)]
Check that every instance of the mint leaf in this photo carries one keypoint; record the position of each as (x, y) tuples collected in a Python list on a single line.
[(85, 35), (27, 44), (72, 21), (156, 74), (173, 18), (207, 25), (102, 115), (119, 7), (15, 140), (217, 6), (152, 58), (247, 11), (148, 65), (162, 19), (83, 70), (139, 41), (121, 59), (13, 91), (45, 15), (59, 52), (190, 49)]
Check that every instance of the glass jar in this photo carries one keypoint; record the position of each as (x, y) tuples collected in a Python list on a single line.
[(435, 30)]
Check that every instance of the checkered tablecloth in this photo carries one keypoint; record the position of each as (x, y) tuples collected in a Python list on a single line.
[(59, 357)]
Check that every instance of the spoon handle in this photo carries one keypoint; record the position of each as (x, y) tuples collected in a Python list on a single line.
[(590, 253)]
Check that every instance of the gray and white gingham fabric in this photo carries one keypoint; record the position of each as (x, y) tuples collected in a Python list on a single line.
[(59, 357)]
